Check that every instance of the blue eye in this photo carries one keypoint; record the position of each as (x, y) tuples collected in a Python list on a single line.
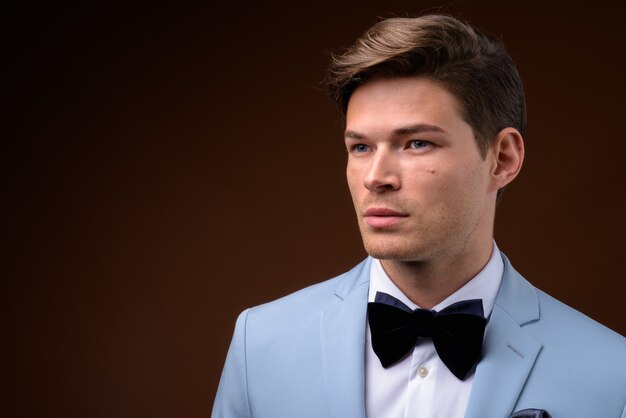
[(360, 148), (418, 143)]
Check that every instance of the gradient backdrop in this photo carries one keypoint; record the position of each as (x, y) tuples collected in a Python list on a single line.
[(164, 168)]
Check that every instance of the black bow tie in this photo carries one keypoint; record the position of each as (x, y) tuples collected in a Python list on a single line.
[(457, 331)]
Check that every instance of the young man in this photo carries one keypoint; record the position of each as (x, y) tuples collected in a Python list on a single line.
[(436, 322)]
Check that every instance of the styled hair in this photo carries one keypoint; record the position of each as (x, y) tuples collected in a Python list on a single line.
[(473, 66)]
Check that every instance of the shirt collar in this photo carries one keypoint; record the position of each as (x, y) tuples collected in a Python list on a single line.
[(483, 286)]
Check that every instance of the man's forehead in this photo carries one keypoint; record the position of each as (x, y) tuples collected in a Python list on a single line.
[(404, 101)]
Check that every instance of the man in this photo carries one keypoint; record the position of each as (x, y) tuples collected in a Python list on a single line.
[(435, 322)]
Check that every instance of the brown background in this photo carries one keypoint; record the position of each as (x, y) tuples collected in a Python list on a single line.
[(164, 168)]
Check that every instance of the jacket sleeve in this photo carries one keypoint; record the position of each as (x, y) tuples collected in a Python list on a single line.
[(231, 400)]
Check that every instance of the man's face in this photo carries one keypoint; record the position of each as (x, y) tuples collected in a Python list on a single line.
[(418, 182)]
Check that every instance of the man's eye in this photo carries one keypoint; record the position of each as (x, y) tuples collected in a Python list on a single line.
[(360, 148), (418, 143)]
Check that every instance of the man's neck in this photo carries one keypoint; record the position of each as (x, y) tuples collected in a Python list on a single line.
[(427, 283)]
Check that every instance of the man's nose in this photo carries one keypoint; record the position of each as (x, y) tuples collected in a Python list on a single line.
[(383, 174)]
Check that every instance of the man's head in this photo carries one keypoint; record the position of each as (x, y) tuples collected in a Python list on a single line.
[(434, 111), (471, 65)]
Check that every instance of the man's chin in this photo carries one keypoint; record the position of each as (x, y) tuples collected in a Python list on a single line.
[(394, 252)]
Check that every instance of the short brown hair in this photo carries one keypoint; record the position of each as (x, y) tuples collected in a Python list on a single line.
[(470, 64)]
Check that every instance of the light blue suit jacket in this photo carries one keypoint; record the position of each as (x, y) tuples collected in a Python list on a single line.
[(303, 356)]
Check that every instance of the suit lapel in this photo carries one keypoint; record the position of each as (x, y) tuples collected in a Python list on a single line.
[(509, 352), (343, 327)]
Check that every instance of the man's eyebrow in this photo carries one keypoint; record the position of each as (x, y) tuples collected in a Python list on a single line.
[(353, 134), (416, 129), (402, 131)]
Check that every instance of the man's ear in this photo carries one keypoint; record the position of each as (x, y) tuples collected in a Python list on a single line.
[(508, 155)]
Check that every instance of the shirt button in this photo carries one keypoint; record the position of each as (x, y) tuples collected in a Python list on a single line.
[(422, 371)]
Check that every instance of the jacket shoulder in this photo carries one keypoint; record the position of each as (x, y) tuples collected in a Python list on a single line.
[(580, 367), (274, 363), (550, 320), (312, 299), (568, 325)]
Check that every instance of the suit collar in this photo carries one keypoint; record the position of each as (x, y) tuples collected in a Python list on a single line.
[(353, 279), (517, 297), (343, 327), (509, 352)]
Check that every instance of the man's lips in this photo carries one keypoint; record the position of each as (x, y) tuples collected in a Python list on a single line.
[(383, 217)]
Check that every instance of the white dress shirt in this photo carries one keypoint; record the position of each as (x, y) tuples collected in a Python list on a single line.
[(420, 385)]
